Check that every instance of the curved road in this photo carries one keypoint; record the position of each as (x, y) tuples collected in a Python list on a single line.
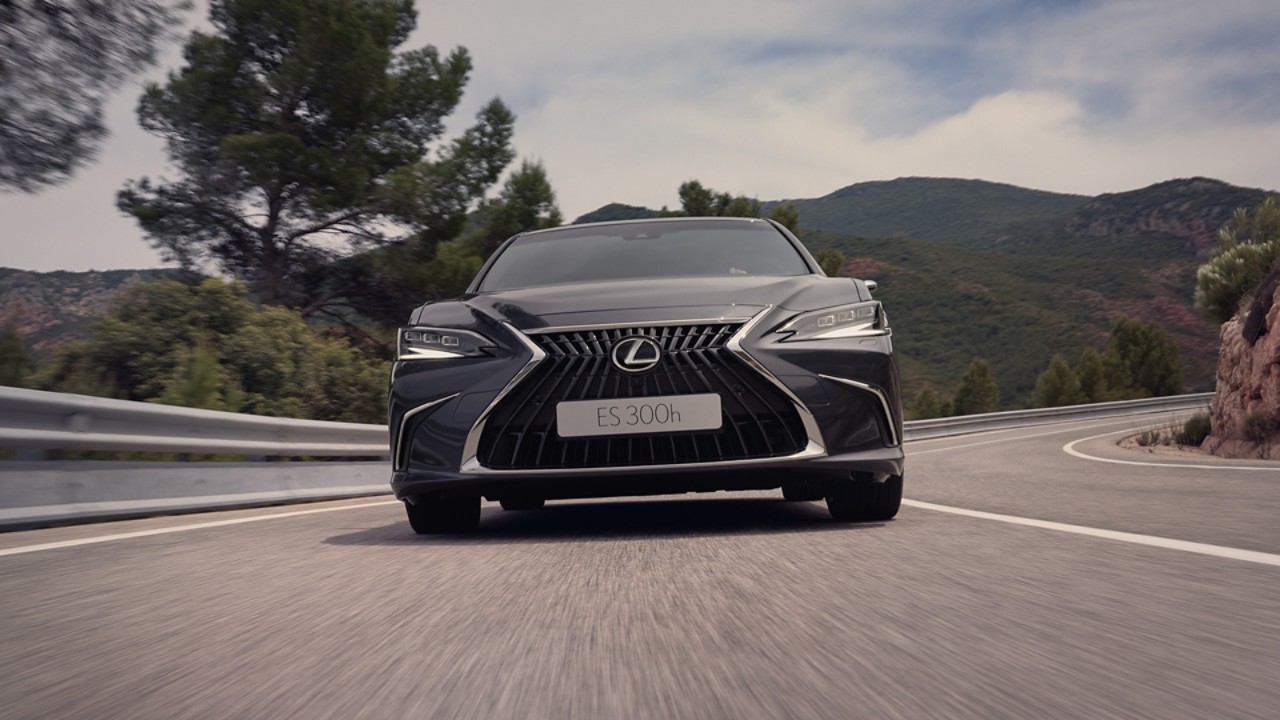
[(1024, 579)]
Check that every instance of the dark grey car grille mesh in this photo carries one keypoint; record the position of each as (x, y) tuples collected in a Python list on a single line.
[(758, 420)]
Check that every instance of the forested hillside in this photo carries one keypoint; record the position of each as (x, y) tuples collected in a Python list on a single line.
[(969, 268)]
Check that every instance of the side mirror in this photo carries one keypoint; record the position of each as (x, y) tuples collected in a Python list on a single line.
[(871, 285)]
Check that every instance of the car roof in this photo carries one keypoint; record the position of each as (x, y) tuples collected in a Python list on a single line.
[(646, 221)]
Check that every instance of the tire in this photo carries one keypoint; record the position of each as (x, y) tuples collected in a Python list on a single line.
[(522, 503), (864, 500), (802, 491), (436, 514)]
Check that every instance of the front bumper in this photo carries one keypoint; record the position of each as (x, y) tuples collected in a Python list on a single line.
[(841, 395)]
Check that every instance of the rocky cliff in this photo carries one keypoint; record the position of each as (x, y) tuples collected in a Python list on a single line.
[(1246, 405)]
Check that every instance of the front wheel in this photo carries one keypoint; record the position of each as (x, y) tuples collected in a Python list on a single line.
[(444, 513), (863, 500)]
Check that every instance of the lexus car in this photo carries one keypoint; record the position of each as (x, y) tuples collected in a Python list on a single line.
[(647, 357)]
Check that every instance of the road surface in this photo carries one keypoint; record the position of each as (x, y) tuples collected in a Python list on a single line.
[(1030, 575)]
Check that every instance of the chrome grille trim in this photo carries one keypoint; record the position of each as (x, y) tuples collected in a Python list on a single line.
[(815, 448), (471, 447)]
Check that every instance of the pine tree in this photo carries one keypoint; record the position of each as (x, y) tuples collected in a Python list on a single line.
[(978, 392), (1058, 386)]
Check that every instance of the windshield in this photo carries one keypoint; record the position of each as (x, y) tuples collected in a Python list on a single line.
[(636, 251)]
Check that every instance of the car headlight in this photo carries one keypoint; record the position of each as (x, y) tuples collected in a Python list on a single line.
[(426, 343), (845, 321)]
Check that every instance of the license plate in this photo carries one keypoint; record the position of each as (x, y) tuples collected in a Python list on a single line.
[(633, 416)]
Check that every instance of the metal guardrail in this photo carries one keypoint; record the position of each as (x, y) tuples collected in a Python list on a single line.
[(35, 493), (34, 419), (964, 424)]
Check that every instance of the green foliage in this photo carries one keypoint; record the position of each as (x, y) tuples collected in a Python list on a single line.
[(526, 203), (831, 261), (1058, 386), (1144, 361), (1248, 248), (950, 304), (697, 200), (300, 133), (1194, 430), (199, 381), (59, 64), (208, 346), (386, 284), (925, 405), (977, 392), (1091, 373), (15, 362)]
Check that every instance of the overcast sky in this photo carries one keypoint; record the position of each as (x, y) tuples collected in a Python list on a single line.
[(624, 101)]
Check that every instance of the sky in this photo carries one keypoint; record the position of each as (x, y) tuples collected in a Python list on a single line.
[(622, 102)]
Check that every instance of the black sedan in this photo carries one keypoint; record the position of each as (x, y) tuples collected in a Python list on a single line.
[(647, 357)]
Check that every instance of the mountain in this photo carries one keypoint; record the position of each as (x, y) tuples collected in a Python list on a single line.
[(1177, 218), (51, 308), (960, 212), (970, 268), (616, 211)]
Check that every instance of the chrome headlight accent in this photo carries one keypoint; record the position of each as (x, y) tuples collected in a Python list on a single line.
[(427, 343), (845, 321)]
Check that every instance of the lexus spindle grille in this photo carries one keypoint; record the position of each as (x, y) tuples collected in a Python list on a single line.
[(758, 420)]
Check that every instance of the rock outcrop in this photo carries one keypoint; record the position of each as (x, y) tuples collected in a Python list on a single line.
[(1246, 404)]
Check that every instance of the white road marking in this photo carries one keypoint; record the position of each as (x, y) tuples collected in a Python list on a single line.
[(181, 528), (1059, 431), (1252, 556), (1070, 449)]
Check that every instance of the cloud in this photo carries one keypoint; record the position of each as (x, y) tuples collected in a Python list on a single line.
[(625, 102)]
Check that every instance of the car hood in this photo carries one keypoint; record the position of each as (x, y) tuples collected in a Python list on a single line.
[(641, 301)]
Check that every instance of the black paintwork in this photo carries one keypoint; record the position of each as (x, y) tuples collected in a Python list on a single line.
[(854, 428)]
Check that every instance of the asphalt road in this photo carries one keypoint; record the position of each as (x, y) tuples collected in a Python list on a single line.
[(717, 606)]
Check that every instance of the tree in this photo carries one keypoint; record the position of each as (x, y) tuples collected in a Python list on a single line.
[(207, 346), (1058, 386), (526, 203), (1147, 362), (977, 392), (1091, 374), (697, 200), (926, 405), (59, 62), (831, 261), (300, 134), (15, 362), (1248, 248)]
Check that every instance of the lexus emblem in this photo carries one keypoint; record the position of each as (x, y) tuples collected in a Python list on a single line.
[(636, 354)]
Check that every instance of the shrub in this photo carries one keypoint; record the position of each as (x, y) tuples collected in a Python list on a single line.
[(1248, 247), (1259, 427), (1194, 430), (1149, 438)]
